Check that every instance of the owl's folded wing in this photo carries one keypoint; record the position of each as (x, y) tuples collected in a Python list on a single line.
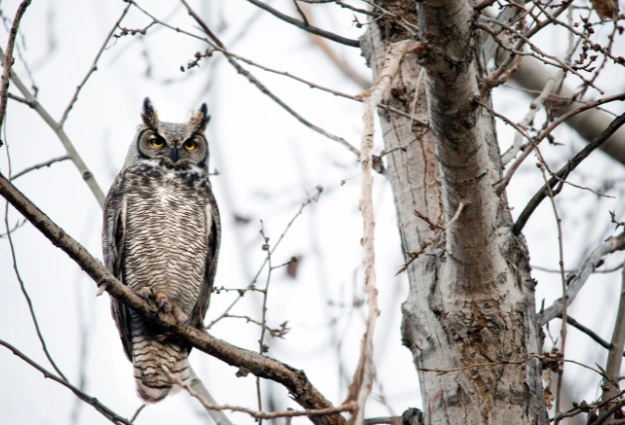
[(113, 238), (214, 238)]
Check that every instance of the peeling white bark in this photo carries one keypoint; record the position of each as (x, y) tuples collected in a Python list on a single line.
[(363, 377), (471, 299)]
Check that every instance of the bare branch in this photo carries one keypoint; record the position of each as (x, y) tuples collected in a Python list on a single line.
[(310, 84), (341, 4), (611, 385), (58, 130), (534, 107), (576, 280), (555, 183), (93, 68), (501, 185), (533, 75), (40, 165), (251, 286), (593, 335), (105, 411), (8, 63), (31, 309), (196, 385), (314, 30), (347, 407)]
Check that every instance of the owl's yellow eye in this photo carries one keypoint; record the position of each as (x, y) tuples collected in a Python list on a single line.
[(157, 142), (190, 145)]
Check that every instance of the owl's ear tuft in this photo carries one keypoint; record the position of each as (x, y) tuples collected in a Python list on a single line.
[(149, 115), (200, 119)]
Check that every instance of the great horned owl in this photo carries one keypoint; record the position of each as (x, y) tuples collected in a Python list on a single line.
[(161, 237)]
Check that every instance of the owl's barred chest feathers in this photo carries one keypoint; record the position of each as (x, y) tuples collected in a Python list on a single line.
[(167, 225)]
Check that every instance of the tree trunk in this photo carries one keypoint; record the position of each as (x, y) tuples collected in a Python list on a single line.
[(471, 299)]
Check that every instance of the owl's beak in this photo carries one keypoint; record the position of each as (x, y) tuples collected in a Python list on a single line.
[(174, 155)]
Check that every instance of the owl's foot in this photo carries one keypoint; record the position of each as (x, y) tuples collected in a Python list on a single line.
[(180, 316), (167, 306), (163, 304)]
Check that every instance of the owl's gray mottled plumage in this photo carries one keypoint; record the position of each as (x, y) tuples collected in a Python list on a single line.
[(161, 237)]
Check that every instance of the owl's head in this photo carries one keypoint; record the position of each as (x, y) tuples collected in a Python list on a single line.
[(175, 145)]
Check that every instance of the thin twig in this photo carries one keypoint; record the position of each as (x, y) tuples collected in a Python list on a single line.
[(563, 328), (501, 185), (262, 266), (593, 335), (18, 275), (555, 183), (341, 4), (312, 85), (440, 232), (347, 407), (18, 224), (93, 67), (390, 420), (605, 271), (196, 384), (28, 300), (314, 30), (262, 348), (40, 165), (136, 415), (105, 411), (534, 107), (58, 130), (8, 62)]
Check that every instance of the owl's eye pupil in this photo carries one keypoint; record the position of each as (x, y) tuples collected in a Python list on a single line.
[(190, 145)]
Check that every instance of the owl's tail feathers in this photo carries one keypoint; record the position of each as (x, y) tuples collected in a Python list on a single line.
[(149, 357)]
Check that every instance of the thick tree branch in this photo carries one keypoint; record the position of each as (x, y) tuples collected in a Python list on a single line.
[(294, 380)]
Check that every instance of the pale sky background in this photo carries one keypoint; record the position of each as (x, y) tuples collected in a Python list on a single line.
[(269, 165)]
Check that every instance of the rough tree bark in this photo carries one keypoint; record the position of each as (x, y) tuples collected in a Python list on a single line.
[(471, 298)]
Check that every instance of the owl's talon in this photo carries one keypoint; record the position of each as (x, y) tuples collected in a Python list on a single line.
[(146, 293), (163, 303)]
